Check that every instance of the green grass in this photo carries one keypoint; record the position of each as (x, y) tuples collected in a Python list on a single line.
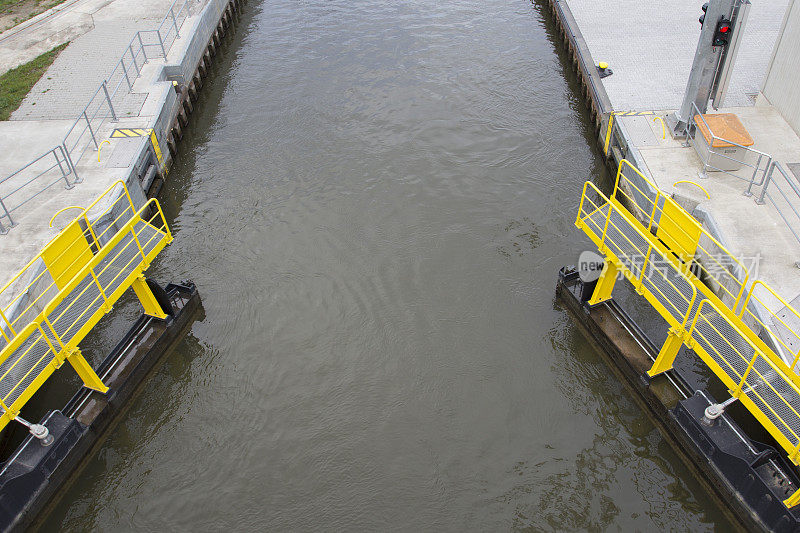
[(16, 83)]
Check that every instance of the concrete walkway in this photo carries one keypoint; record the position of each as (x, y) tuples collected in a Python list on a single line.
[(755, 233), (104, 29), (650, 47)]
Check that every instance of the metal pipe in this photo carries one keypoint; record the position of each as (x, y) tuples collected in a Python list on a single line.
[(125, 71), (77, 178), (11, 224), (174, 22), (760, 200), (161, 42), (90, 128), (61, 168), (133, 57), (141, 45), (110, 106)]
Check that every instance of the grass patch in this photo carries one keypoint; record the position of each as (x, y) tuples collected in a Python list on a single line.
[(12, 12), (16, 83)]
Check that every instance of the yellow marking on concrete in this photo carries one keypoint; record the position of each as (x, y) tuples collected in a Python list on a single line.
[(623, 114), (156, 148), (130, 132)]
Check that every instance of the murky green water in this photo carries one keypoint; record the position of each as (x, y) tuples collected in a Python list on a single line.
[(374, 199)]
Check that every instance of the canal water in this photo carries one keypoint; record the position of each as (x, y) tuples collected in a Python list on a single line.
[(374, 199)]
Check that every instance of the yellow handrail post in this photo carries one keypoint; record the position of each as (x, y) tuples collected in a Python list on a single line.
[(85, 371), (667, 354), (608, 133), (605, 284), (792, 500), (738, 390), (148, 299), (640, 282)]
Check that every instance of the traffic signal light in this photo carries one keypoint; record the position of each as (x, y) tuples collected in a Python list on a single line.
[(703, 16), (723, 33)]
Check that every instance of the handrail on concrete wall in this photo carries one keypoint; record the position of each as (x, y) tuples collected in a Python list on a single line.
[(84, 132), (787, 202), (28, 174), (706, 157)]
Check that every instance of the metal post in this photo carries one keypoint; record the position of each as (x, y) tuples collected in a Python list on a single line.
[(61, 167), (130, 49), (141, 45), (605, 284), (110, 106), (760, 200), (148, 300), (85, 371), (88, 123), (666, 356), (125, 71), (11, 224), (749, 191), (174, 22), (704, 67), (76, 178), (161, 42)]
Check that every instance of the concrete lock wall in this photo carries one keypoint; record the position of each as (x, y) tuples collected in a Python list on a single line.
[(781, 87)]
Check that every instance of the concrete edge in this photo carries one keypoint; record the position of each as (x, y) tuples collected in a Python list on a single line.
[(166, 107), (594, 90)]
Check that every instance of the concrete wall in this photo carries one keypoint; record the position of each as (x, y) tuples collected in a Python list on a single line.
[(782, 83), (192, 51)]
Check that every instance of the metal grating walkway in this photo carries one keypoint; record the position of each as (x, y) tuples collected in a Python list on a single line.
[(28, 361)]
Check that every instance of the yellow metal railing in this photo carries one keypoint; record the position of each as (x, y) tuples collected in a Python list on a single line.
[(768, 389), (647, 266), (665, 254), (778, 326), (682, 233), (66, 289)]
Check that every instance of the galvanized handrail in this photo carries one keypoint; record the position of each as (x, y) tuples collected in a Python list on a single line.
[(104, 104), (790, 195), (64, 171), (691, 132)]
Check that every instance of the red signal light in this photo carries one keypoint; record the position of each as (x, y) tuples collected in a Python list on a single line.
[(722, 32)]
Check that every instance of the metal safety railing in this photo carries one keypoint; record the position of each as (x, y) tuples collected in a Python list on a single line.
[(768, 389), (59, 296), (108, 99), (714, 159), (782, 325), (107, 102), (684, 235), (783, 192), (650, 269), (48, 169), (658, 250), (766, 172)]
